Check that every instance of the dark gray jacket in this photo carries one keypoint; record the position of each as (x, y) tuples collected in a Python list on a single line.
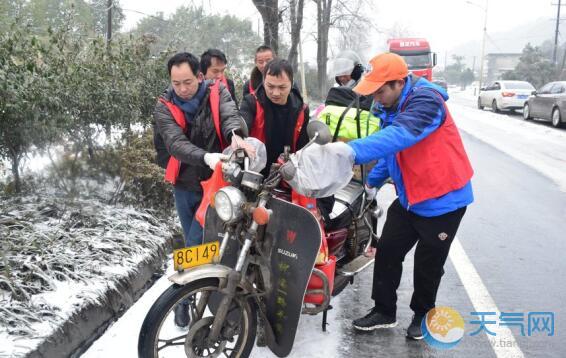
[(201, 137)]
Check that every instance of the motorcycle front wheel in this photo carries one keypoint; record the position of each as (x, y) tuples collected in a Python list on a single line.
[(161, 337)]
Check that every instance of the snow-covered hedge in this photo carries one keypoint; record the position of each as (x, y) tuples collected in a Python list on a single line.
[(56, 256)]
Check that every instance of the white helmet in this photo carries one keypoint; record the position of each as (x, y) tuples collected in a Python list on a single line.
[(343, 64)]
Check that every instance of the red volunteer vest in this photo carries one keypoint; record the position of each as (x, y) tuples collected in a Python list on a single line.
[(436, 165), (258, 129)]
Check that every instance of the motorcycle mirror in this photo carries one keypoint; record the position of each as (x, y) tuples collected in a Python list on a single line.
[(320, 132), (288, 171)]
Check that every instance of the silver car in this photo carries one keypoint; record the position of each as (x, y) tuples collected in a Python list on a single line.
[(548, 103), (505, 95)]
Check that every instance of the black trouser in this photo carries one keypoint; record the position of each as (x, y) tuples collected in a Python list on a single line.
[(433, 236)]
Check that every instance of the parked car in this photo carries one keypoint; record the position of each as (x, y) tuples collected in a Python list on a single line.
[(508, 95), (548, 103), (440, 82)]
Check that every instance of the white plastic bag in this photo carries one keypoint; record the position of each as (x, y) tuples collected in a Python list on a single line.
[(258, 162), (322, 170)]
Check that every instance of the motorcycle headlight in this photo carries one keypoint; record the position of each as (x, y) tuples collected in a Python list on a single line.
[(229, 203)]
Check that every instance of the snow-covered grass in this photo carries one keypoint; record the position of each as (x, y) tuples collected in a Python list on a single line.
[(57, 256)]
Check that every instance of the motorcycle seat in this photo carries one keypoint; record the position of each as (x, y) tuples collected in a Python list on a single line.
[(346, 198)]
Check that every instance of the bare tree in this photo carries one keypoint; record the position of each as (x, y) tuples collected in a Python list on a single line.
[(296, 20), (323, 22), (346, 16), (352, 28), (269, 11), (399, 30)]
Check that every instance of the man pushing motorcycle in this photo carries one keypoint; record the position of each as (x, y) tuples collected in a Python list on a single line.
[(253, 263), (420, 149)]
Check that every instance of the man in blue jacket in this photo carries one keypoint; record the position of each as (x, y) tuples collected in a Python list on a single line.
[(420, 149)]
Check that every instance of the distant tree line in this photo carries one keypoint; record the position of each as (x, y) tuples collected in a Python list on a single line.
[(536, 67), (457, 73), (62, 82)]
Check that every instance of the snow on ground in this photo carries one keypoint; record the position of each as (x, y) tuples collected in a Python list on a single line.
[(62, 254), (121, 339), (537, 145)]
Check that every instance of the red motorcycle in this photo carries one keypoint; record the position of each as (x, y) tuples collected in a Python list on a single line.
[(267, 254)]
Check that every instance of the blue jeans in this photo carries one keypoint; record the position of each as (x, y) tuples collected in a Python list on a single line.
[(187, 203)]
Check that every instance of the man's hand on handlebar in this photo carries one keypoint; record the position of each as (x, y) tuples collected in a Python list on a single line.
[(238, 142)]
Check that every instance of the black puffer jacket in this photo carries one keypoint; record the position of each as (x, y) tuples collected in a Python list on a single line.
[(200, 138)]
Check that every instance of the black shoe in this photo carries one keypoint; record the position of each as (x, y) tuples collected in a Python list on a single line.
[(415, 331), (374, 320), (182, 318)]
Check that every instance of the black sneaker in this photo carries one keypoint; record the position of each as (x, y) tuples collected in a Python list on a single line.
[(182, 318), (374, 320), (414, 331)]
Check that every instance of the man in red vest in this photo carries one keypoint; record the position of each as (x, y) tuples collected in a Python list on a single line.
[(194, 120), (420, 149), (190, 135), (263, 55), (213, 65), (276, 113)]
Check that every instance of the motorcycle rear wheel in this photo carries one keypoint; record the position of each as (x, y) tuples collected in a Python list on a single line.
[(159, 322)]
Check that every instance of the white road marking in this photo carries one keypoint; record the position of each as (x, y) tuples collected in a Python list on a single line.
[(482, 300)]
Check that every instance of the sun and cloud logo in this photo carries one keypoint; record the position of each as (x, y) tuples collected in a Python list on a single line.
[(443, 327)]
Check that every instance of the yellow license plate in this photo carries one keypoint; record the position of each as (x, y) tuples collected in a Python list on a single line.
[(195, 255)]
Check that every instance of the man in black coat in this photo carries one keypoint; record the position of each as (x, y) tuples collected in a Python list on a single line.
[(276, 113), (188, 139)]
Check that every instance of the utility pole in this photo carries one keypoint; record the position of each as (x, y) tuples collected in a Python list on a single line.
[(556, 32), (482, 59), (109, 24)]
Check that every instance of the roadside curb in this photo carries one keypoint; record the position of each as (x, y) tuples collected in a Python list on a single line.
[(87, 324)]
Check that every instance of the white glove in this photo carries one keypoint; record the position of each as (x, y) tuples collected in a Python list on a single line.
[(211, 159), (371, 192)]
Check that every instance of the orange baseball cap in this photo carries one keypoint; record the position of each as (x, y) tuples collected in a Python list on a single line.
[(384, 67)]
